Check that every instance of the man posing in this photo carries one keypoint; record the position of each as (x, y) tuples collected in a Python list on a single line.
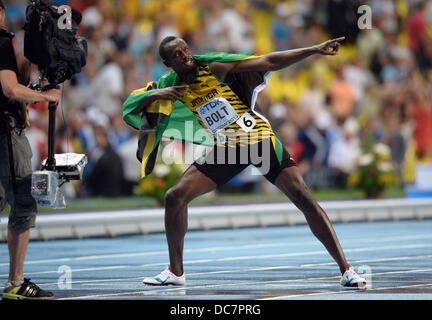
[(15, 166), (217, 94)]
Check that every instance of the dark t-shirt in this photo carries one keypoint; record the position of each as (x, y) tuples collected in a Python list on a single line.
[(7, 61)]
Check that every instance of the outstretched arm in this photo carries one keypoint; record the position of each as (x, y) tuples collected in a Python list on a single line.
[(15, 91), (276, 60)]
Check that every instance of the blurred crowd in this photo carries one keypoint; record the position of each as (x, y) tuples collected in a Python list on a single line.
[(326, 110)]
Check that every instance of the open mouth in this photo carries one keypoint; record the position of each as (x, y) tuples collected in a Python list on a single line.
[(189, 61)]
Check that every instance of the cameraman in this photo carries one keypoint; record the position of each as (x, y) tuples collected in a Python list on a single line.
[(15, 167)]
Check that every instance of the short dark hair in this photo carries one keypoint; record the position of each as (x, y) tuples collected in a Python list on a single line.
[(2, 5), (162, 45)]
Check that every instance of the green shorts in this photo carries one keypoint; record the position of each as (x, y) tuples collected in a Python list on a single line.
[(23, 211)]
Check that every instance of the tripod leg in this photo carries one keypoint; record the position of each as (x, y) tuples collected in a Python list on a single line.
[(50, 163)]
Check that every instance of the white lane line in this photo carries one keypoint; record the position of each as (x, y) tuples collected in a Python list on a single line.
[(339, 292), (166, 289), (210, 249), (152, 253), (270, 282), (368, 289), (238, 258), (247, 270), (369, 260)]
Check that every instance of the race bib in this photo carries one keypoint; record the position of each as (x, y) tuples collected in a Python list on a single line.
[(217, 114), (246, 122)]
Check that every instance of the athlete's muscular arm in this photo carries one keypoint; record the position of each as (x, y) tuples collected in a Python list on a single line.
[(276, 60), (170, 93)]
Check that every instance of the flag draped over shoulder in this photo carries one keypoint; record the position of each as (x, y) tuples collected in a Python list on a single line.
[(162, 115)]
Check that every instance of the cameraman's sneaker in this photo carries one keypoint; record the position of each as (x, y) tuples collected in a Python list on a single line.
[(26, 291), (165, 278), (351, 279)]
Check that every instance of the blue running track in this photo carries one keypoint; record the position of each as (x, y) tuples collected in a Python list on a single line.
[(276, 263)]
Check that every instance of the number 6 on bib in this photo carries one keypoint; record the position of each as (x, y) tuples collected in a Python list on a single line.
[(246, 122)]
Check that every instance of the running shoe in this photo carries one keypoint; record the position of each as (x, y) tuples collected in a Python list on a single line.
[(351, 279), (166, 277), (26, 291)]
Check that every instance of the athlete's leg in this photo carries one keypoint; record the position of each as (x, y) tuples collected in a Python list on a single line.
[(192, 184), (290, 182)]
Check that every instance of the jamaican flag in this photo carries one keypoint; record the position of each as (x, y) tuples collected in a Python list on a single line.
[(162, 115)]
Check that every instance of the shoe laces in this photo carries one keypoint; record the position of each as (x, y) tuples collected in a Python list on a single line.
[(31, 284), (166, 272), (351, 273)]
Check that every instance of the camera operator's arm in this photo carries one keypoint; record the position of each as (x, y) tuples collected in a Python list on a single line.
[(15, 91)]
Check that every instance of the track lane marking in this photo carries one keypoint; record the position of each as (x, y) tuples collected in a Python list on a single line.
[(345, 291), (237, 258), (164, 289), (209, 249)]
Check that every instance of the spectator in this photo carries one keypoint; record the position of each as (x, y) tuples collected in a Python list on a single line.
[(123, 32), (342, 18), (215, 30), (420, 42), (372, 79), (149, 68), (106, 176), (239, 30), (93, 16), (100, 46), (344, 152), (108, 85), (342, 96), (368, 42), (313, 100), (119, 132), (422, 113), (398, 144), (313, 143), (281, 31), (359, 77), (278, 113), (165, 26), (131, 165)]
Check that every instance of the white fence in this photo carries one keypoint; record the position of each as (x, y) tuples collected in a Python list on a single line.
[(143, 221)]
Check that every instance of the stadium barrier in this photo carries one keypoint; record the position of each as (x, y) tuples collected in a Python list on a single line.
[(144, 221)]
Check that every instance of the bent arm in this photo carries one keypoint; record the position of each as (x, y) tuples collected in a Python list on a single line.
[(15, 91), (145, 103), (170, 93)]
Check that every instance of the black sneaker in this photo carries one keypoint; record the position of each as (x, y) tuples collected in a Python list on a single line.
[(26, 291)]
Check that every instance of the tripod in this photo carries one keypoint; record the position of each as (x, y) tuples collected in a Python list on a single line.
[(51, 162)]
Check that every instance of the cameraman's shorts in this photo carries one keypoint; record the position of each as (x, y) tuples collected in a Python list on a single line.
[(223, 163), (23, 211)]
